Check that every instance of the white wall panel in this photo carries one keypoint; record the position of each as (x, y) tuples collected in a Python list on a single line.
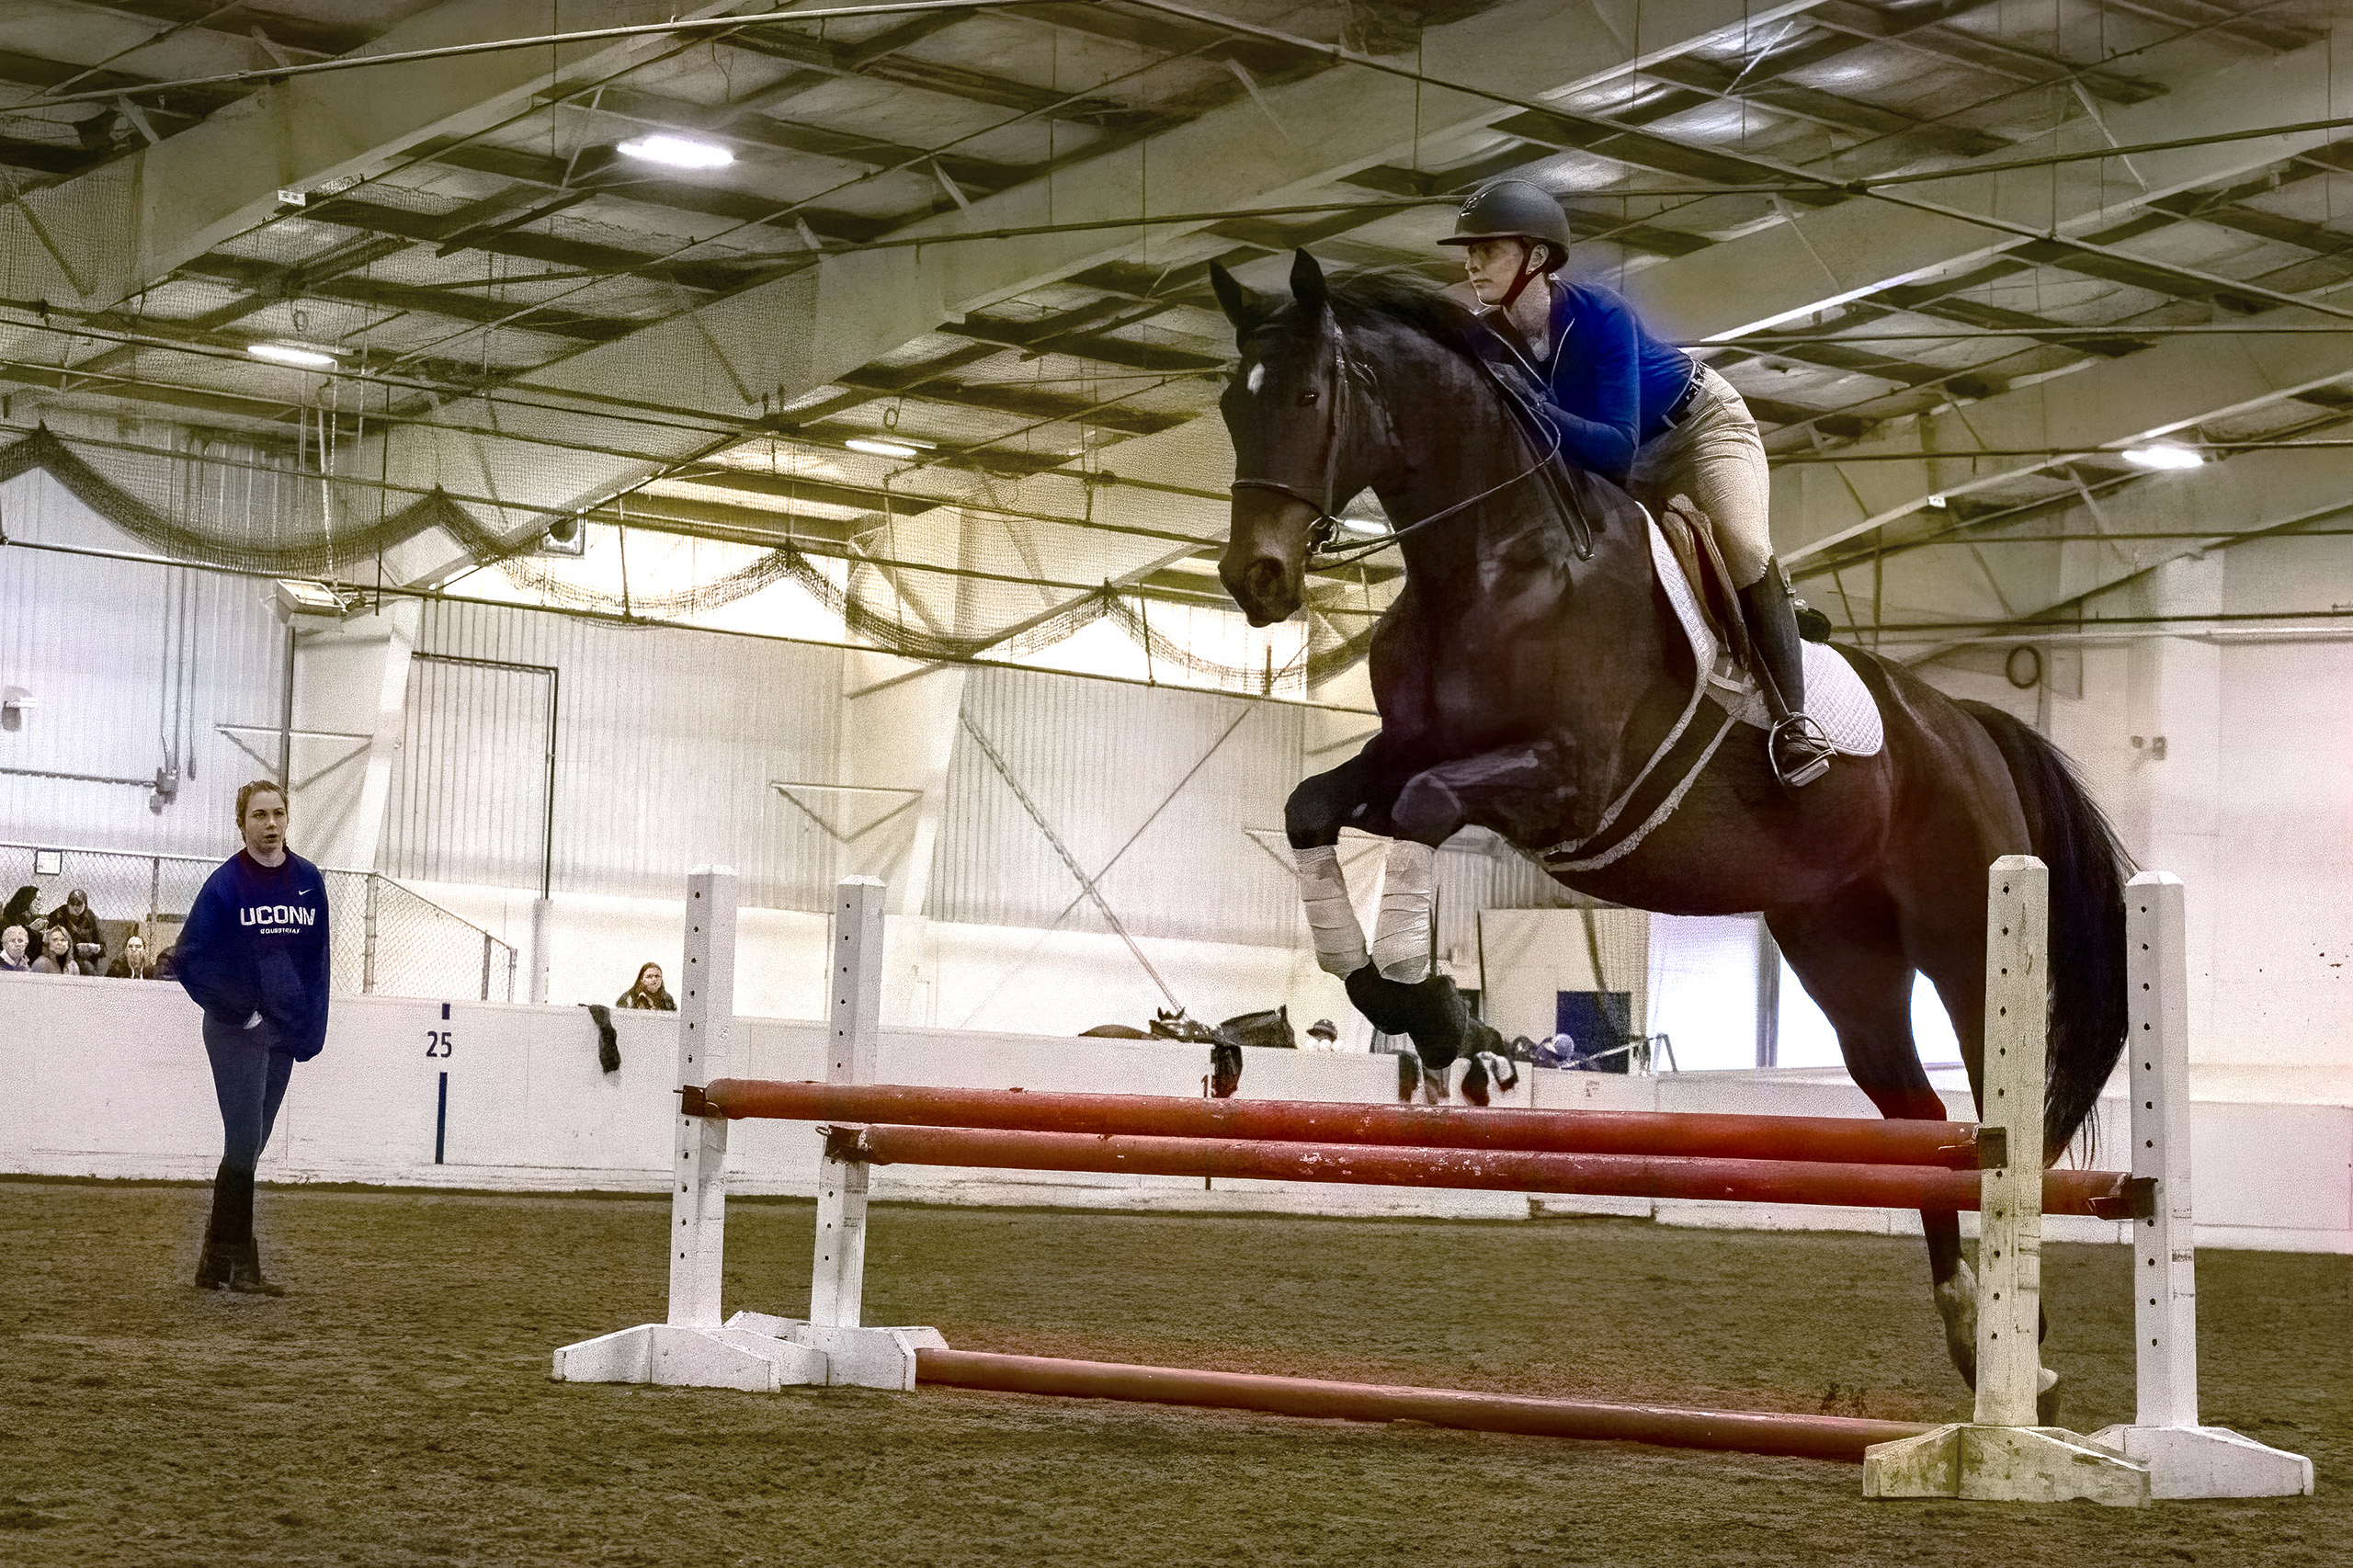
[(666, 745), (92, 639), (1098, 758)]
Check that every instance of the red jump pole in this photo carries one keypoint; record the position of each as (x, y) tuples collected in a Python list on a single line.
[(1810, 1437), (1836, 1140), (2106, 1193)]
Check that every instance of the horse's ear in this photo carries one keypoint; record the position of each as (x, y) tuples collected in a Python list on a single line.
[(1307, 281), (1243, 306)]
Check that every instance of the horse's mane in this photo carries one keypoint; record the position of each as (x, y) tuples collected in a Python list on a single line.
[(1400, 295)]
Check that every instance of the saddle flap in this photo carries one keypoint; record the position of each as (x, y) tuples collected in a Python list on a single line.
[(1692, 542)]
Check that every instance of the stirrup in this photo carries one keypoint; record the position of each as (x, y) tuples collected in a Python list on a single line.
[(1811, 751)]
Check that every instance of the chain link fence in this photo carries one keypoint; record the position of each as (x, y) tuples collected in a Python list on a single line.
[(384, 940)]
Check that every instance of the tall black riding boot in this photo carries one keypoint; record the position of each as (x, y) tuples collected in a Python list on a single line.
[(234, 1210), (1801, 752), (212, 1267)]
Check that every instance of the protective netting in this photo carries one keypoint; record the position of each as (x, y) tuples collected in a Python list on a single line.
[(383, 940), (249, 513)]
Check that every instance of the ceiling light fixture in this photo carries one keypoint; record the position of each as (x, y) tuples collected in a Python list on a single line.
[(290, 353), (888, 446), (2163, 455), (1938, 503), (677, 152)]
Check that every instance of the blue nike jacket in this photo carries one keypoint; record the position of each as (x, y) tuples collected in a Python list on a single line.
[(1610, 382), (257, 942)]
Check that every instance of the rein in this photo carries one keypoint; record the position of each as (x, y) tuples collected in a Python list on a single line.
[(1326, 524)]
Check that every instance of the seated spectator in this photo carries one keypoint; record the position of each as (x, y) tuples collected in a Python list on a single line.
[(647, 992), (14, 941), (57, 954), (1321, 1035), (81, 925), (20, 907), (134, 963), (167, 964)]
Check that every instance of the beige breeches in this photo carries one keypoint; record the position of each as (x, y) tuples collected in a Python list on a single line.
[(1716, 458)]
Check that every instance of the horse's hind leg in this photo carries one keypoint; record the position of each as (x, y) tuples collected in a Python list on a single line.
[(1850, 952)]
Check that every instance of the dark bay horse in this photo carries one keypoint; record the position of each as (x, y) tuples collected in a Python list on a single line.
[(1532, 661)]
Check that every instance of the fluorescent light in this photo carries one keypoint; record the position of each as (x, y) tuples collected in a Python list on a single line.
[(1363, 527), (288, 354), (678, 152), (2163, 455), (1938, 503), (888, 447)]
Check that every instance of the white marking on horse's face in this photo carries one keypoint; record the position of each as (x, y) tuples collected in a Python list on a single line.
[(1256, 378)]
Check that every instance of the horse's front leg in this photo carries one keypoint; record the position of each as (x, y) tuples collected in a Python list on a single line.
[(1389, 979)]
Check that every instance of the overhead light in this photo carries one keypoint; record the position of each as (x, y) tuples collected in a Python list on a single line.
[(678, 152), (295, 597), (290, 353), (900, 446), (2163, 454), (1938, 503), (1363, 527)]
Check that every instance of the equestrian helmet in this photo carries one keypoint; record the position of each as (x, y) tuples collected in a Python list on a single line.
[(1512, 209)]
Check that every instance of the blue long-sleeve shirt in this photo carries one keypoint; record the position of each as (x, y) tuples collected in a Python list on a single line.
[(1610, 382), (255, 941)]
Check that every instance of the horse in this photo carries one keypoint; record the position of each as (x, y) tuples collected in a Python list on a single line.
[(1269, 1031), (1530, 665)]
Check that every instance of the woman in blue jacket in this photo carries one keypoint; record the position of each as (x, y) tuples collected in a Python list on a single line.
[(254, 956), (1645, 416)]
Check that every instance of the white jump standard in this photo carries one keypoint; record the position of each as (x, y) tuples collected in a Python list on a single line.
[(756, 1351)]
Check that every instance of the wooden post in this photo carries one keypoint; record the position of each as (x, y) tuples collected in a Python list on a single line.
[(2165, 1259), (2003, 1455), (698, 1161), (836, 1281), (2185, 1460), (2009, 1247)]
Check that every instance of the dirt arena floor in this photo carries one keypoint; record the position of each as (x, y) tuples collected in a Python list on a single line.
[(396, 1408)]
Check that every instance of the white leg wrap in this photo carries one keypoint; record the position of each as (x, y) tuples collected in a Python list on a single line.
[(1401, 940), (1323, 889)]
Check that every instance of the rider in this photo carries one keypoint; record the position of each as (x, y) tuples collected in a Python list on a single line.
[(1646, 416)]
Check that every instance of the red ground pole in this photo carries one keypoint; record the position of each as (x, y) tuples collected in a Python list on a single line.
[(1809, 1436), (1836, 1140), (2105, 1193)]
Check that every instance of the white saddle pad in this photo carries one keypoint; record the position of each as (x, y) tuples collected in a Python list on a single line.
[(1835, 695)]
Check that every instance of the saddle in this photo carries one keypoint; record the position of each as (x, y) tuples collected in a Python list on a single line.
[(1692, 540)]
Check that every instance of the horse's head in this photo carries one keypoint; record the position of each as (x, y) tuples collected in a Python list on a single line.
[(1296, 409)]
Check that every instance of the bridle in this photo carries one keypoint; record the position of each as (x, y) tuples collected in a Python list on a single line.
[(1326, 525)]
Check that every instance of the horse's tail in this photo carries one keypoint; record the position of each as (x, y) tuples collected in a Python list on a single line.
[(2069, 833)]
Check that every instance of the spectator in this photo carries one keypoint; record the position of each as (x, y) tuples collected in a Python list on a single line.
[(254, 956), (133, 964), (167, 964), (57, 954), (13, 943), (1323, 1035), (81, 923), (647, 992), (20, 907)]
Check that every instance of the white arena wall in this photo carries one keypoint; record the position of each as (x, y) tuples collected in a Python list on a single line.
[(111, 1082)]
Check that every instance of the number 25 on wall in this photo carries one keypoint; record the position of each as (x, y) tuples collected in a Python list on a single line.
[(437, 1042)]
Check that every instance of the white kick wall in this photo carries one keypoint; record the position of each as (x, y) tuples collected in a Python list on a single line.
[(511, 1098)]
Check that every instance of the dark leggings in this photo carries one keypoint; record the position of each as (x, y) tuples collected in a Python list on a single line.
[(249, 1078)]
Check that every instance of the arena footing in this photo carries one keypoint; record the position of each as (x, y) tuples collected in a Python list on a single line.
[(1836, 1437)]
